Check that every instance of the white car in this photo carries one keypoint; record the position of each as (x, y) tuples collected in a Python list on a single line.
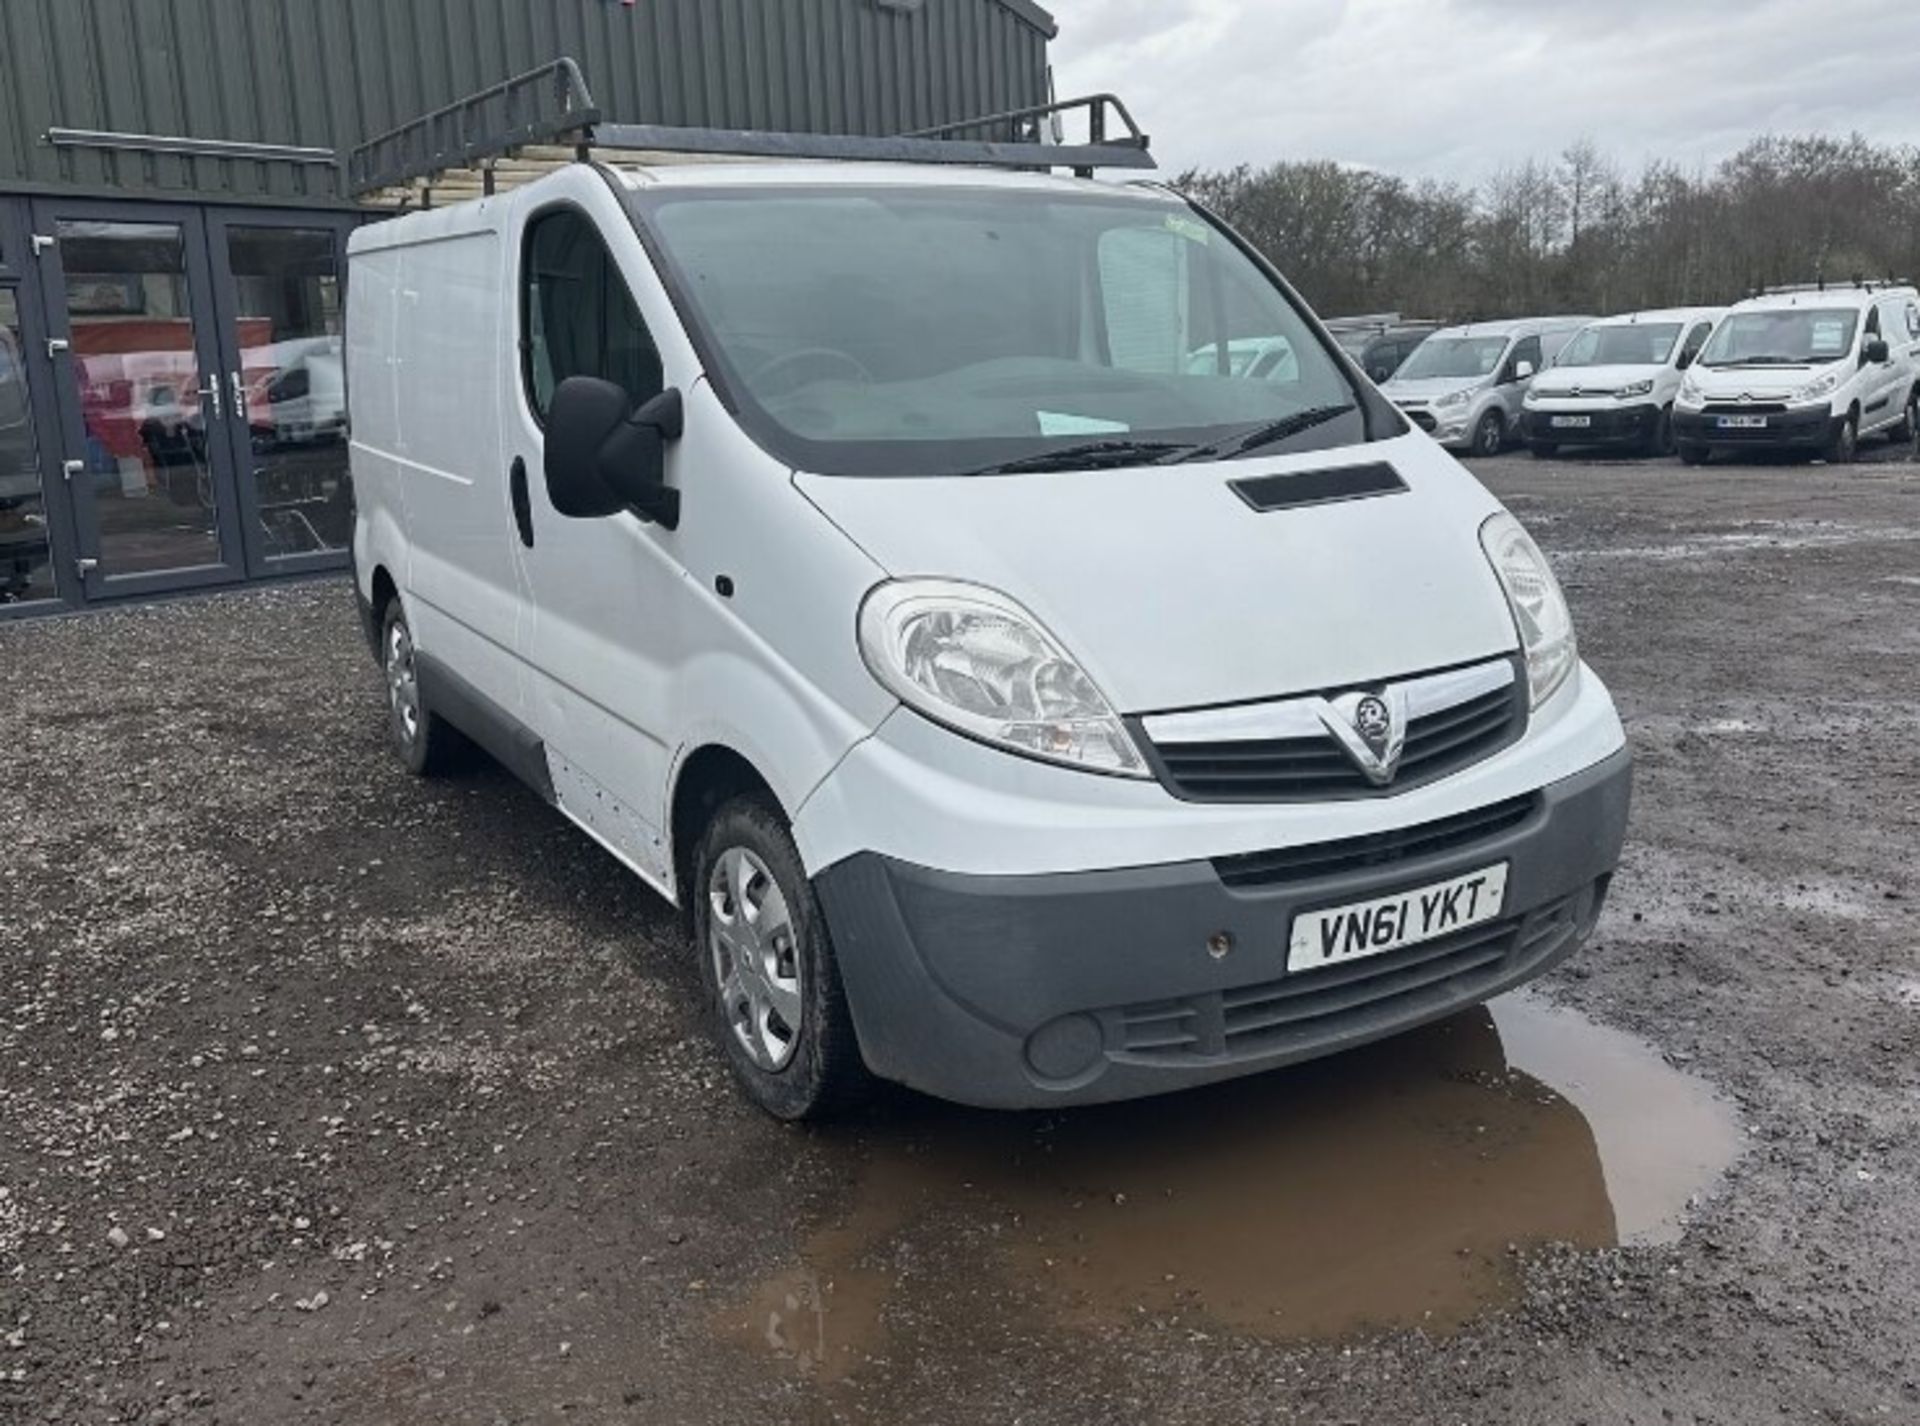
[(1811, 368), (853, 552), (1613, 385), (1464, 385)]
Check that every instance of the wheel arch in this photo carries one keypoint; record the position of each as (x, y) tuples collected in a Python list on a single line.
[(709, 777)]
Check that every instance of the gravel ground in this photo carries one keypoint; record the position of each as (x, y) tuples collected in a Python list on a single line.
[(329, 1095)]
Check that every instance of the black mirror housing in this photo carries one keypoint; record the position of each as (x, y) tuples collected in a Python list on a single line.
[(1875, 350), (603, 457)]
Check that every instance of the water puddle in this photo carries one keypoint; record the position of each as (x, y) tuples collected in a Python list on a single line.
[(1388, 1187)]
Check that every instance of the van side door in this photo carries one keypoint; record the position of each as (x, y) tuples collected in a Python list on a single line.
[(1883, 394), (603, 596)]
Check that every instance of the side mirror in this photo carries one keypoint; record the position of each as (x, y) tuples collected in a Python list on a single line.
[(1686, 360), (602, 456), (1875, 351), (1522, 370)]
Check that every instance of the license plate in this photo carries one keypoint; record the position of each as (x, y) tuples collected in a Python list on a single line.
[(1561, 423), (1742, 423), (1371, 928)]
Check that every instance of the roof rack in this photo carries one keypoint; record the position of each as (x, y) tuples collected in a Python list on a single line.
[(1852, 284), (521, 128)]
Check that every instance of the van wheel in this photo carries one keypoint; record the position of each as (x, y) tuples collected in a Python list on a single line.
[(1490, 436), (1909, 426), (427, 744), (1691, 454), (1845, 443), (1544, 450), (769, 968)]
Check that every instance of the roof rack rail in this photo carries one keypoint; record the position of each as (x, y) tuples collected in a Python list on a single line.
[(509, 132), (1862, 284)]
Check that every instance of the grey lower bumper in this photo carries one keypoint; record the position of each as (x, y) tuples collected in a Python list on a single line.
[(1031, 991)]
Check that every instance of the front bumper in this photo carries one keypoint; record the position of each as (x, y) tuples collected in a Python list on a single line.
[(1809, 428), (1606, 426), (1079, 987)]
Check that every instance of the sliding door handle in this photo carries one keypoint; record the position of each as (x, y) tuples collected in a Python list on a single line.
[(522, 501)]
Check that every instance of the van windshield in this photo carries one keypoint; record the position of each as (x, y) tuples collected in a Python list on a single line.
[(907, 331), (1443, 357), (1627, 344), (1785, 336)]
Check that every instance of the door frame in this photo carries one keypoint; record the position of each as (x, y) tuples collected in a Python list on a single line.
[(99, 585), (43, 412), (220, 222)]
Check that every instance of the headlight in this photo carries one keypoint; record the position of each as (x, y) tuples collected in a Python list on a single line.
[(1634, 388), (972, 659), (1539, 608), (1690, 393), (1454, 398), (1818, 387)]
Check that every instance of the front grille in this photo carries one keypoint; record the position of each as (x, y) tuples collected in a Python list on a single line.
[(1306, 1010), (1300, 768), (1745, 408), (1293, 864)]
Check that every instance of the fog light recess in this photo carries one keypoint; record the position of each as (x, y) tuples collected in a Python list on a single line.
[(1065, 1048)]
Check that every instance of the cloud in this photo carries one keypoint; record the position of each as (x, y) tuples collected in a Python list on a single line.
[(1457, 89)]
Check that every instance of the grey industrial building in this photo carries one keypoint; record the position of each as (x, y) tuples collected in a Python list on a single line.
[(175, 194)]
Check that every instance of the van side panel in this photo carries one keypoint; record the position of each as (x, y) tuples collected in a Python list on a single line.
[(380, 531), (449, 324)]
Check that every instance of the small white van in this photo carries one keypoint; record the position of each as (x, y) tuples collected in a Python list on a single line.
[(1811, 368), (1042, 666), (1613, 385), (1464, 385)]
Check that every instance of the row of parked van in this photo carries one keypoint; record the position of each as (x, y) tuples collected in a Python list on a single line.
[(1815, 368)]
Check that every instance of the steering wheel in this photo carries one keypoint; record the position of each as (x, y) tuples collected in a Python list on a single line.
[(806, 354)]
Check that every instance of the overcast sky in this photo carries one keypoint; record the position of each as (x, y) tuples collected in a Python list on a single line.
[(1454, 89)]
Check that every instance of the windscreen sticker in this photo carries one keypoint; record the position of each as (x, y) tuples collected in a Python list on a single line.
[(1061, 423), (1192, 229), (1829, 338)]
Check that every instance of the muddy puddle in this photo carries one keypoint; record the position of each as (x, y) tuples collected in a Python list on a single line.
[(1383, 1188)]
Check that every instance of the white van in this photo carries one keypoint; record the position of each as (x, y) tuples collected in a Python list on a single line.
[(855, 552), (1464, 385), (1811, 368), (1614, 383)]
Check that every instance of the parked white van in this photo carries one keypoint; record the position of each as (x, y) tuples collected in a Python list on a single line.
[(855, 552), (1810, 368), (1614, 383), (1464, 385)]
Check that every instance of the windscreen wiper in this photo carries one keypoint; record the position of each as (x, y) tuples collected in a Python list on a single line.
[(1088, 455), (1265, 434), (1760, 361)]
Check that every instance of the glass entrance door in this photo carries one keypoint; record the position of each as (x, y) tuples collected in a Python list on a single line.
[(142, 402), (281, 304)]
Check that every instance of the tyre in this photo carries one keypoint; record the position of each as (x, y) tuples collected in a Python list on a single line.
[(1909, 427), (1543, 450), (1691, 454), (426, 743), (1660, 439), (1845, 443), (772, 982), (1490, 435)]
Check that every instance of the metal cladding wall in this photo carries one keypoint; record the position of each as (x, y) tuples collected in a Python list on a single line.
[(331, 73)]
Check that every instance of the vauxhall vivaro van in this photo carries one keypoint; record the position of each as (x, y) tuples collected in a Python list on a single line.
[(1613, 385), (1464, 385), (1811, 368), (1042, 666)]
